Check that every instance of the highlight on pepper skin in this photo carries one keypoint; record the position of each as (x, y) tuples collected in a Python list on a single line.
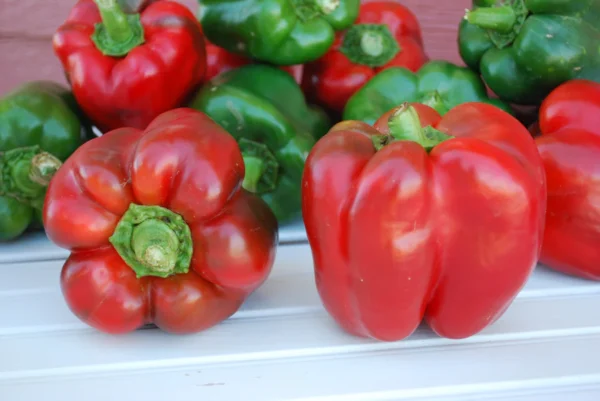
[(569, 144)]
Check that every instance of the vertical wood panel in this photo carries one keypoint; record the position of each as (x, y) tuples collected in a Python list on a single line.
[(26, 28), (27, 60)]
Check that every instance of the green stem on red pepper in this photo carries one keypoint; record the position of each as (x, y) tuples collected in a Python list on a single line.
[(405, 125), (503, 22), (153, 241), (26, 172), (118, 33), (261, 167), (372, 45)]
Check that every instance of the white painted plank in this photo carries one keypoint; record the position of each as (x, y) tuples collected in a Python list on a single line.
[(270, 337), (290, 289), (283, 346), (522, 370)]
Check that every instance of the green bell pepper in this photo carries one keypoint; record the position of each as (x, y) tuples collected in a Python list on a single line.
[(281, 32), (439, 84), (39, 128), (265, 110), (526, 48)]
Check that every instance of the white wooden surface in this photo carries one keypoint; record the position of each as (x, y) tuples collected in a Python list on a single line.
[(283, 346)]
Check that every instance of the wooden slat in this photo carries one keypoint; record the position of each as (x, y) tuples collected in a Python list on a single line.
[(283, 346), (26, 28)]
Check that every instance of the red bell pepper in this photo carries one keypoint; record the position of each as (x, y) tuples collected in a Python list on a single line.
[(219, 60), (158, 226), (569, 122), (127, 68), (386, 34), (443, 222)]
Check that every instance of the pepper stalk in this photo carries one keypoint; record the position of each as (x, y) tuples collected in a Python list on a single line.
[(503, 20), (153, 241), (262, 168), (25, 173), (372, 45), (118, 33), (307, 10), (434, 100), (405, 125)]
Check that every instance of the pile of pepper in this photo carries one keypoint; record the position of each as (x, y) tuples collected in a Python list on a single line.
[(423, 196)]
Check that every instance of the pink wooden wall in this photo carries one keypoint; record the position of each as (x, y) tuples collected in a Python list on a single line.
[(26, 28)]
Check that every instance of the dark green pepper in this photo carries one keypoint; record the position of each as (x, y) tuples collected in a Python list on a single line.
[(265, 110), (39, 128), (526, 48), (439, 84), (282, 32)]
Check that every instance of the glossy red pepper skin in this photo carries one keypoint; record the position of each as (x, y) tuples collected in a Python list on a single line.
[(400, 234), (219, 60), (569, 123), (183, 162), (334, 78), (154, 77)]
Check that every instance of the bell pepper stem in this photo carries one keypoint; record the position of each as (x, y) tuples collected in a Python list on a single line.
[(405, 125), (155, 244), (26, 172), (380, 141), (43, 168), (261, 165), (114, 20), (255, 168), (372, 45), (328, 6), (307, 10), (153, 241), (118, 33), (435, 101), (501, 19)]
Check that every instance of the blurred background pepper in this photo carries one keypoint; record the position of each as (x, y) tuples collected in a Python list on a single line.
[(39, 128), (386, 34), (526, 48), (265, 110)]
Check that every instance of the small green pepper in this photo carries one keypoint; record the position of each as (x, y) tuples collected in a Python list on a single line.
[(439, 84), (39, 128), (526, 48), (281, 32), (265, 110)]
